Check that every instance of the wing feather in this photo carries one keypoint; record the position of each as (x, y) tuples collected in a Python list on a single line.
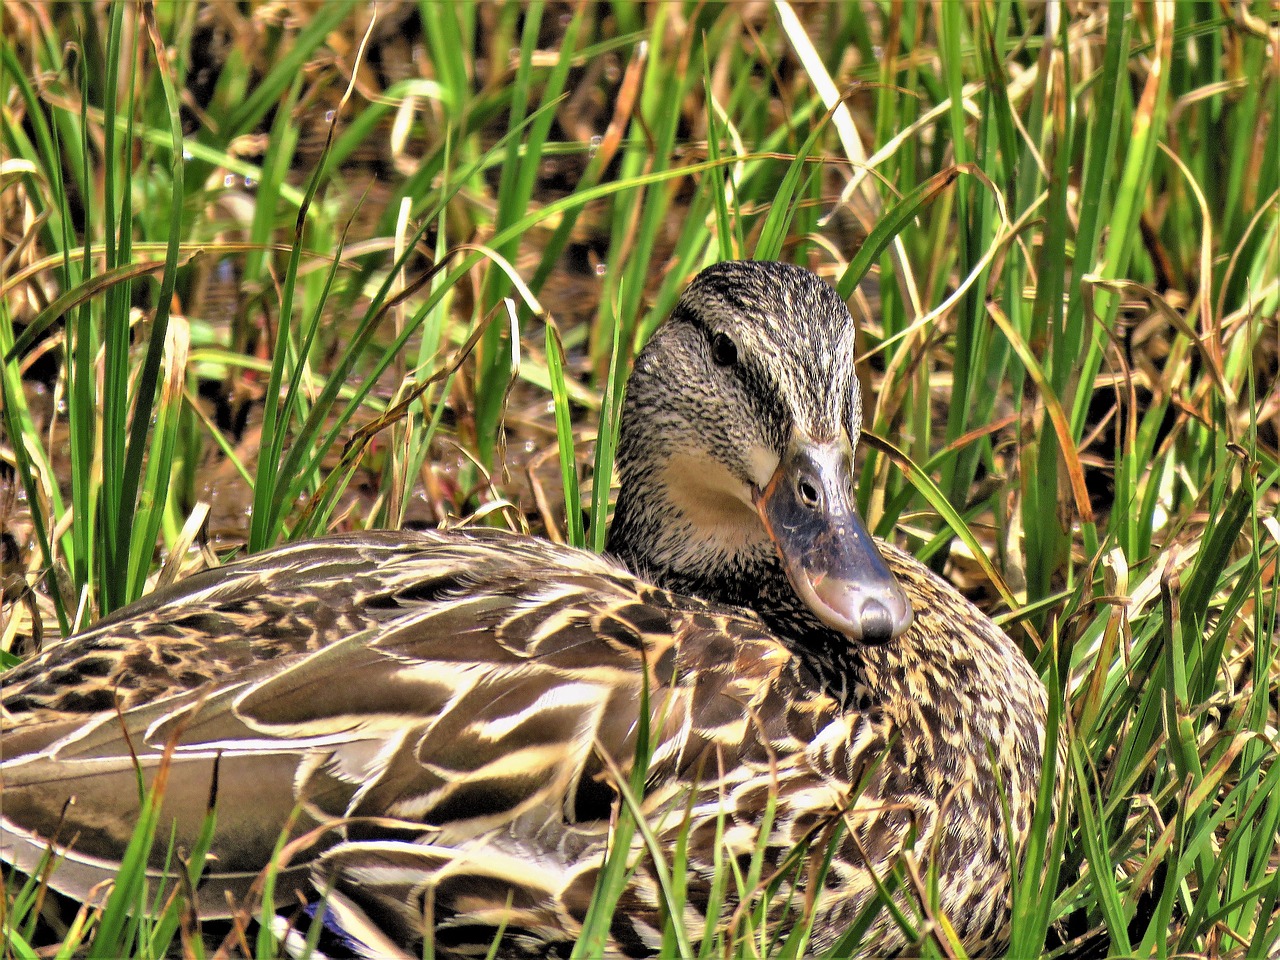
[(473, 687)]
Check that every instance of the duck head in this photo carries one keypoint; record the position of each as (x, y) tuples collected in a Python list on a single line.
[(735, 455)]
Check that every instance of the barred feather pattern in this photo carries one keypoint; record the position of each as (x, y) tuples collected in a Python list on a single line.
[(455, 708)]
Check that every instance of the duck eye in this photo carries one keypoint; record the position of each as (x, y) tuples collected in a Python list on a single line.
[(723, 350)]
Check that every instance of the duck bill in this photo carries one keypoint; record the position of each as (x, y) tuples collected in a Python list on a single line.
[(830, 558)]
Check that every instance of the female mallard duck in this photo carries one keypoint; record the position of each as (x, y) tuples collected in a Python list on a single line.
[(458, 705)]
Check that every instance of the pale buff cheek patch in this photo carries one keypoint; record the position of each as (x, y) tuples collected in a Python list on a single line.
[(763, 463), (711, 498)]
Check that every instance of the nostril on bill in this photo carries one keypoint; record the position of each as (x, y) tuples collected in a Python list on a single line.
[(808, 492)]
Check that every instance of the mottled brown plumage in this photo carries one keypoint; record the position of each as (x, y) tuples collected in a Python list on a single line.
[(469, 697)]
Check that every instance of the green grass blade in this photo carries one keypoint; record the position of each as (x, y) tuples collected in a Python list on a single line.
[(574, 534)]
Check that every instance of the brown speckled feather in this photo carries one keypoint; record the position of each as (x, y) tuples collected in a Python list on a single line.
[(471, 687)]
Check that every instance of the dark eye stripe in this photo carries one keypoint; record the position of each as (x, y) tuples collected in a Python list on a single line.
[(762, 391)]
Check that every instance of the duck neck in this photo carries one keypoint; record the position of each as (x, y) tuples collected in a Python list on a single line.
[(656, 541)]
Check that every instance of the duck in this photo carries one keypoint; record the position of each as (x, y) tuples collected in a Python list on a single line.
[(447, 723)]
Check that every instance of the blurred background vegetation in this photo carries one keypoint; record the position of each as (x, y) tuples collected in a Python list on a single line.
[(273, 269)]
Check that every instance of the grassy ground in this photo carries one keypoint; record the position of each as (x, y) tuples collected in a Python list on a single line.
[(265, 273)]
